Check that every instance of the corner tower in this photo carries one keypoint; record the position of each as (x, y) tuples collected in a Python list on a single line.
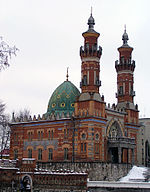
[(125, 69)]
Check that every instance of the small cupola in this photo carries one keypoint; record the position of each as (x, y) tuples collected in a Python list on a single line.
[(125, 37), (91, 22)]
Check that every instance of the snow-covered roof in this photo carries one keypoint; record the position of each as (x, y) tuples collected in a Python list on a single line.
[(28, 159), (10, 168)]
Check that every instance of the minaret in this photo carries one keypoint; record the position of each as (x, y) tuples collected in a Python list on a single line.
[(125, 69), (90, 101), (90, 55), (90, 106)]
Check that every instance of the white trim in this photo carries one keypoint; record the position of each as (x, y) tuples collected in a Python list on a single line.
[(90, 59), (125, 71)]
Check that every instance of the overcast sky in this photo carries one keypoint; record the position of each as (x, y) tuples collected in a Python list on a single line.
[(49, 35)]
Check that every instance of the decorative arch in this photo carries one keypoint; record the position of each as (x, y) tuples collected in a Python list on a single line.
[(28, 178), (66, 146), (81, 134), (30, 147), (116, 123), (50, 146), (40, 147)]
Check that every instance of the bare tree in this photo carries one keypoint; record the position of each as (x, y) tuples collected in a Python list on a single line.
[(5, 53), (4, 129), (2, 108)]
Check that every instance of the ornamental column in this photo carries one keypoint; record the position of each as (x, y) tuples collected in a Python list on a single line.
[(119, 155)]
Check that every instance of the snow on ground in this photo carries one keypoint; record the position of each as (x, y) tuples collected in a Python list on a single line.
[(136, 174)]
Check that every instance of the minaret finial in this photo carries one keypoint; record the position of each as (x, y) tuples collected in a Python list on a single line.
[(91, 10), (125, 27), (91, 21), (125, 37), (67, 74)]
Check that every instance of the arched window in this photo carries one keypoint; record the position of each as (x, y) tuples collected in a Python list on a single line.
[(52, 134), (29, 153), (84, 80), (49, 134), (97, 148), (39, 135), (15, 153), (65, 135), (97, 136), (120, 91), (83, 136), (39, 154), (65, 153), (30, 135), (50, 154)]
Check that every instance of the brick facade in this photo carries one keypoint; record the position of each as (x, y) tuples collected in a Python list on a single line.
[(95, 132)]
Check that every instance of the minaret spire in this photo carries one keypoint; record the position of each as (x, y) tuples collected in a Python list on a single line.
[(125, 27), (67, 74)]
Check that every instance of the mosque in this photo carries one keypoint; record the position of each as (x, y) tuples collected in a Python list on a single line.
[(79, 126)]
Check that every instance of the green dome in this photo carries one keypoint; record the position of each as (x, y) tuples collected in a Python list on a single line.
[(63, 98)]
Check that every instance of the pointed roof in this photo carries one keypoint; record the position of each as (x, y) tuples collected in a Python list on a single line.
[(125, 39), (91, 23)]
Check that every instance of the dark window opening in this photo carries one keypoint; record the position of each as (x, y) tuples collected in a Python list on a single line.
[(15, 154), (50, 154), (65, 153), (29, 153), (39, 154)]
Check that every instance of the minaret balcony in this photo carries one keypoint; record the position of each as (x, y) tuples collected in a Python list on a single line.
[(93, 51), (124, 141), (127, 61), (98, 83), (82, 84), (119, 95), (125, 65), (132, 93)]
